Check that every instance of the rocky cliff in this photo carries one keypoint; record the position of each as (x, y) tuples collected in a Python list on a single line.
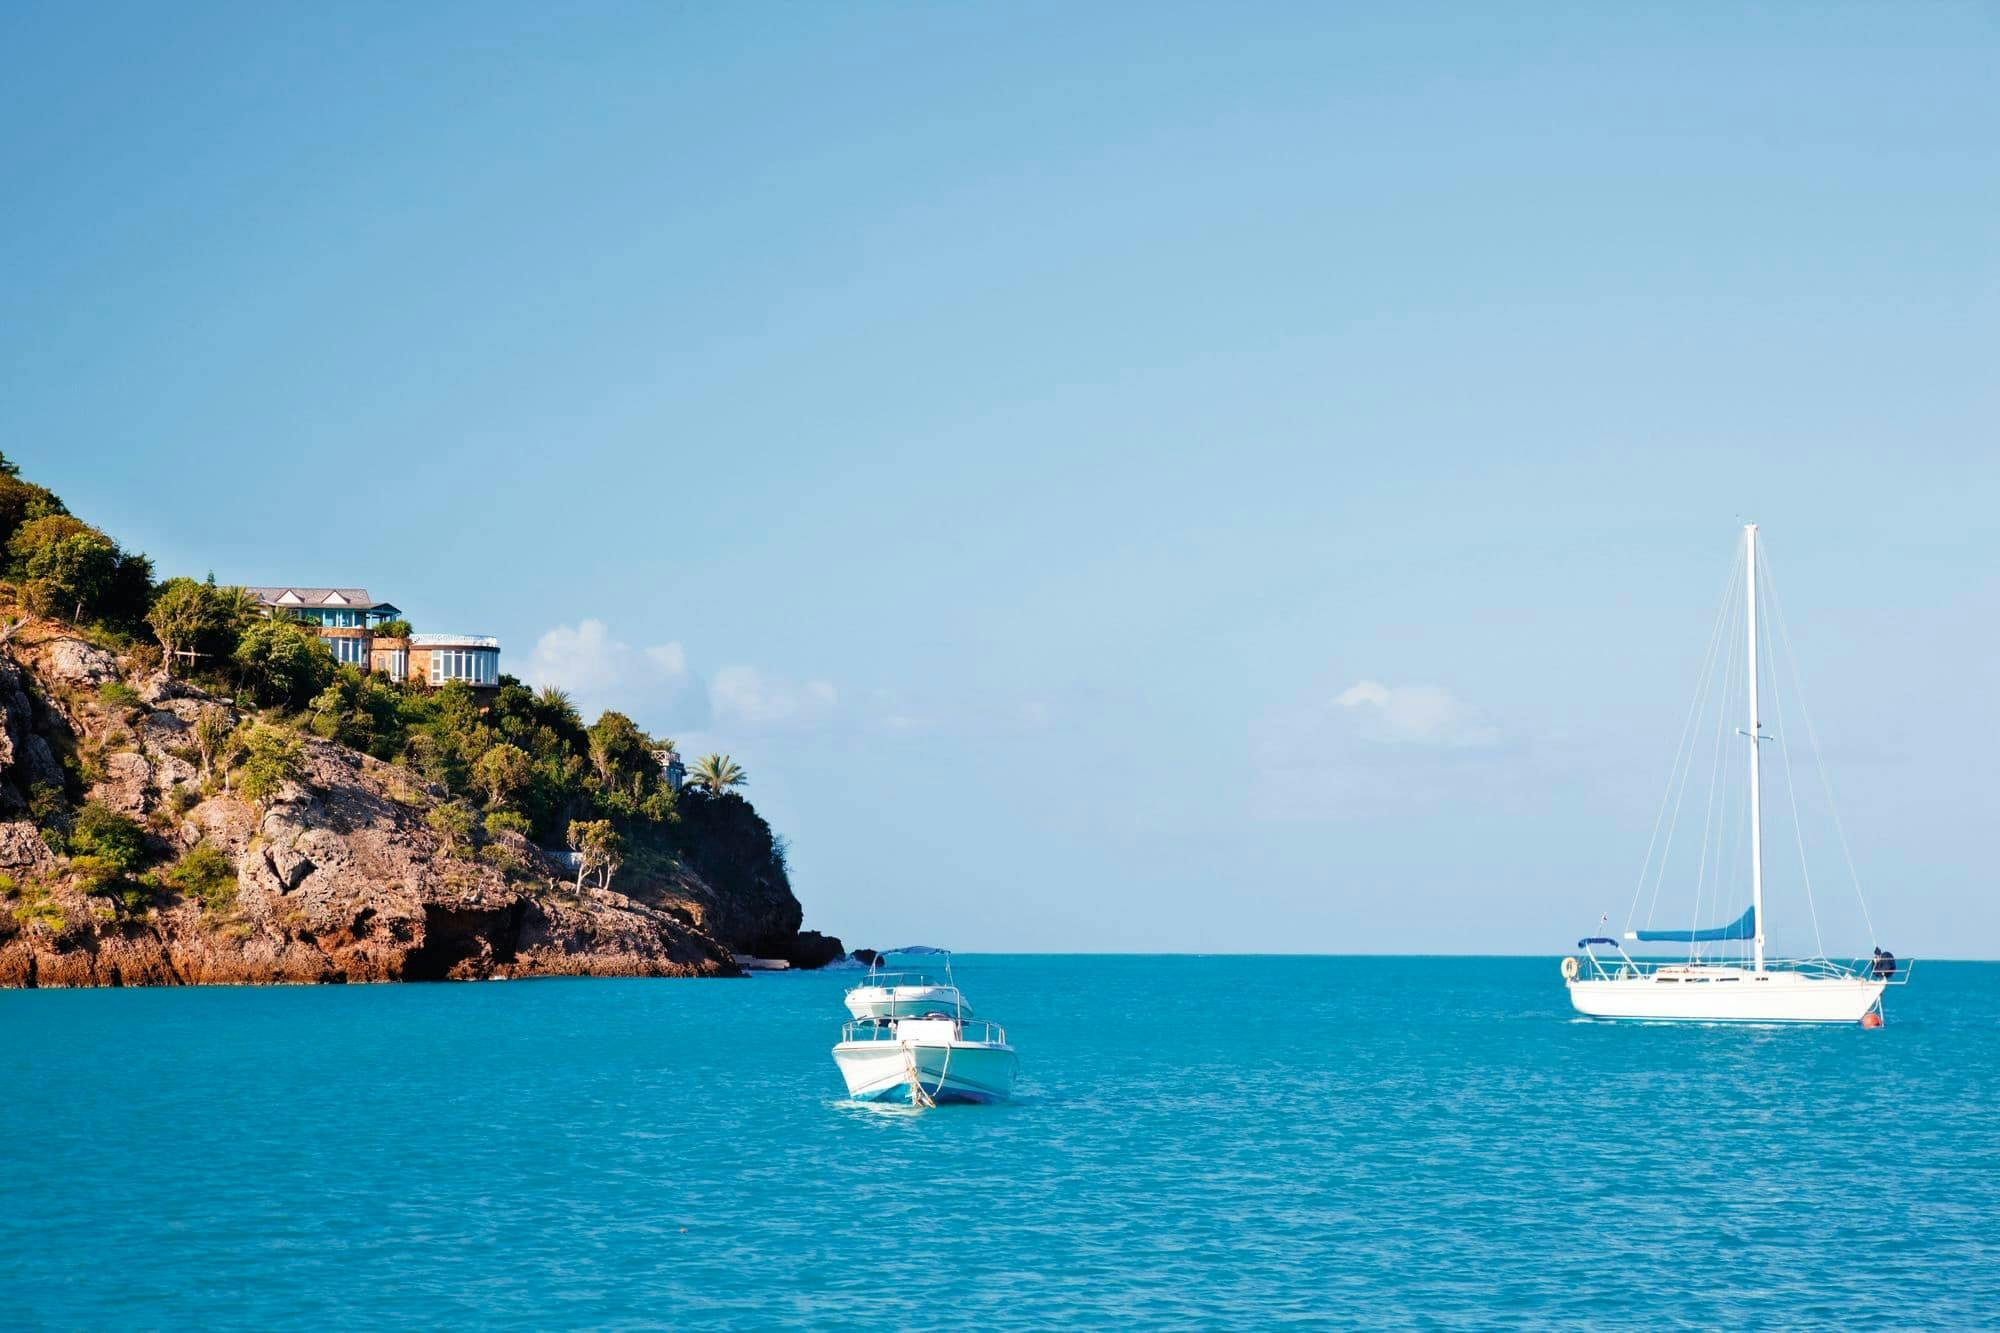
[(338, 874)]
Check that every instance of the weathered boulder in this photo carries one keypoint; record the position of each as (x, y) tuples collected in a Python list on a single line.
[(22, 847), (67, 660), (27, 759)]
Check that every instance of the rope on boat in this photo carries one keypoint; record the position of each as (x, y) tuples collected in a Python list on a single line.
[(918, 1096)]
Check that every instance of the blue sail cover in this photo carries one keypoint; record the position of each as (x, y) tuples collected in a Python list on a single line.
[(1742, 928)]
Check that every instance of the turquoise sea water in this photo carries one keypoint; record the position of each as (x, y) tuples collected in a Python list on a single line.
[(1212, 1141)]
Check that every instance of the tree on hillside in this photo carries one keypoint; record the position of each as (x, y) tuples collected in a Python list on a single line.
[(271, 758), (283, 663), (456, 825), (359, 710), (504, 773), (599, 850), (212, 732), (621, 754), (22, 501), (195, 620), (65, 564), (717, 773)]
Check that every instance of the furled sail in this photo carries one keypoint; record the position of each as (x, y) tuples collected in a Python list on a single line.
[(1742, 928)]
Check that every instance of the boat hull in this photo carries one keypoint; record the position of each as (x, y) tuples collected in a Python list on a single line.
[(881, 1071), (1747, 997)]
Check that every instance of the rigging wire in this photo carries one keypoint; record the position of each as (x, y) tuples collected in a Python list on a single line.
[(1684, 757), (1769, 585), (1819, 761), (1715, 770)]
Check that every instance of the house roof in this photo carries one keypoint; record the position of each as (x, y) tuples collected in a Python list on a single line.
[(356, 597), (454, 641), (353, 599)]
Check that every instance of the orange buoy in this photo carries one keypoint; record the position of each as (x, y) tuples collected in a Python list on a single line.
[(1871, 1019)]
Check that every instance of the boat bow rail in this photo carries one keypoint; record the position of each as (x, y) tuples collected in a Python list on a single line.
[(977, 1031)]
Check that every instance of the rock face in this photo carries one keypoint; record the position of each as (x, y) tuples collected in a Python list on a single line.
[(339, 877), (730, 878)]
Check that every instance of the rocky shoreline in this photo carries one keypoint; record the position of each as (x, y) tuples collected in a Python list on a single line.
[(339, 875)]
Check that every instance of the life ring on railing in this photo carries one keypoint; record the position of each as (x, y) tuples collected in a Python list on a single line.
[(1570, 969)]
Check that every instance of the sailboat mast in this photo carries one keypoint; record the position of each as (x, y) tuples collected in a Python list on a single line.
[(1756, 739)]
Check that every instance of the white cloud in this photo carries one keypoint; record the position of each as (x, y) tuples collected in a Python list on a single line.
[(1415, 715), (601, 671), (748, 697), (1372, 749)]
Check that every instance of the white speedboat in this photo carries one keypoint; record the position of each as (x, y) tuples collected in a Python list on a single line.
[(926, 1061), (907, 994), (1715, 981)]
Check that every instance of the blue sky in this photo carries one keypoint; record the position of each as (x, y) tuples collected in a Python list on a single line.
[(1013, 431)]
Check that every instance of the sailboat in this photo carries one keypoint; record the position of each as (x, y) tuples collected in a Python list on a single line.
[(1753, 989)]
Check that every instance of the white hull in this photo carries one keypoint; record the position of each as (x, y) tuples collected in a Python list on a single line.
[(1727, 995), (881, 1071), (884, 1002)]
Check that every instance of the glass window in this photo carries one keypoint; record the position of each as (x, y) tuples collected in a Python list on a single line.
[(474, 666), (349, 650)]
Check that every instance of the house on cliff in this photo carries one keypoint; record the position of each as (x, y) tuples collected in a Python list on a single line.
[(347, 620)]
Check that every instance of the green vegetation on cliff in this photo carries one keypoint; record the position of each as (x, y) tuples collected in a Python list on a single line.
[(508, 761)]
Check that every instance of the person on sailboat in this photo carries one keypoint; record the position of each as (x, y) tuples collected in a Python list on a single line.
[(1885, 964)]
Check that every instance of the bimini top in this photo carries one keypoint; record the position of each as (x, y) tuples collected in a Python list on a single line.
[(916, 950)]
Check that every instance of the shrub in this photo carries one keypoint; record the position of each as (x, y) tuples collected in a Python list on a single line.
[(271, 759), (38, 909), (46, 805), (205, 875), (101, 834), (183, 797), (508, 821), (9, 886), (118, 694), (456, 826), (96, 874), (214, 737)]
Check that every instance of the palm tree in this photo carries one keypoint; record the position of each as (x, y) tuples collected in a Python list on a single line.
[(557, 705), (718, 773)]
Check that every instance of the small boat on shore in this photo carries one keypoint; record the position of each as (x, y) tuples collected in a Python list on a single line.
[(926, 1061), (908, 993)]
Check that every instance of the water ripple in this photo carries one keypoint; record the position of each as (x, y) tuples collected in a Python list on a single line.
[(1198, 1142)]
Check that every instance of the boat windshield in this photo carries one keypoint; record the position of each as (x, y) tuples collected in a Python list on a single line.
[(901, 979)]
